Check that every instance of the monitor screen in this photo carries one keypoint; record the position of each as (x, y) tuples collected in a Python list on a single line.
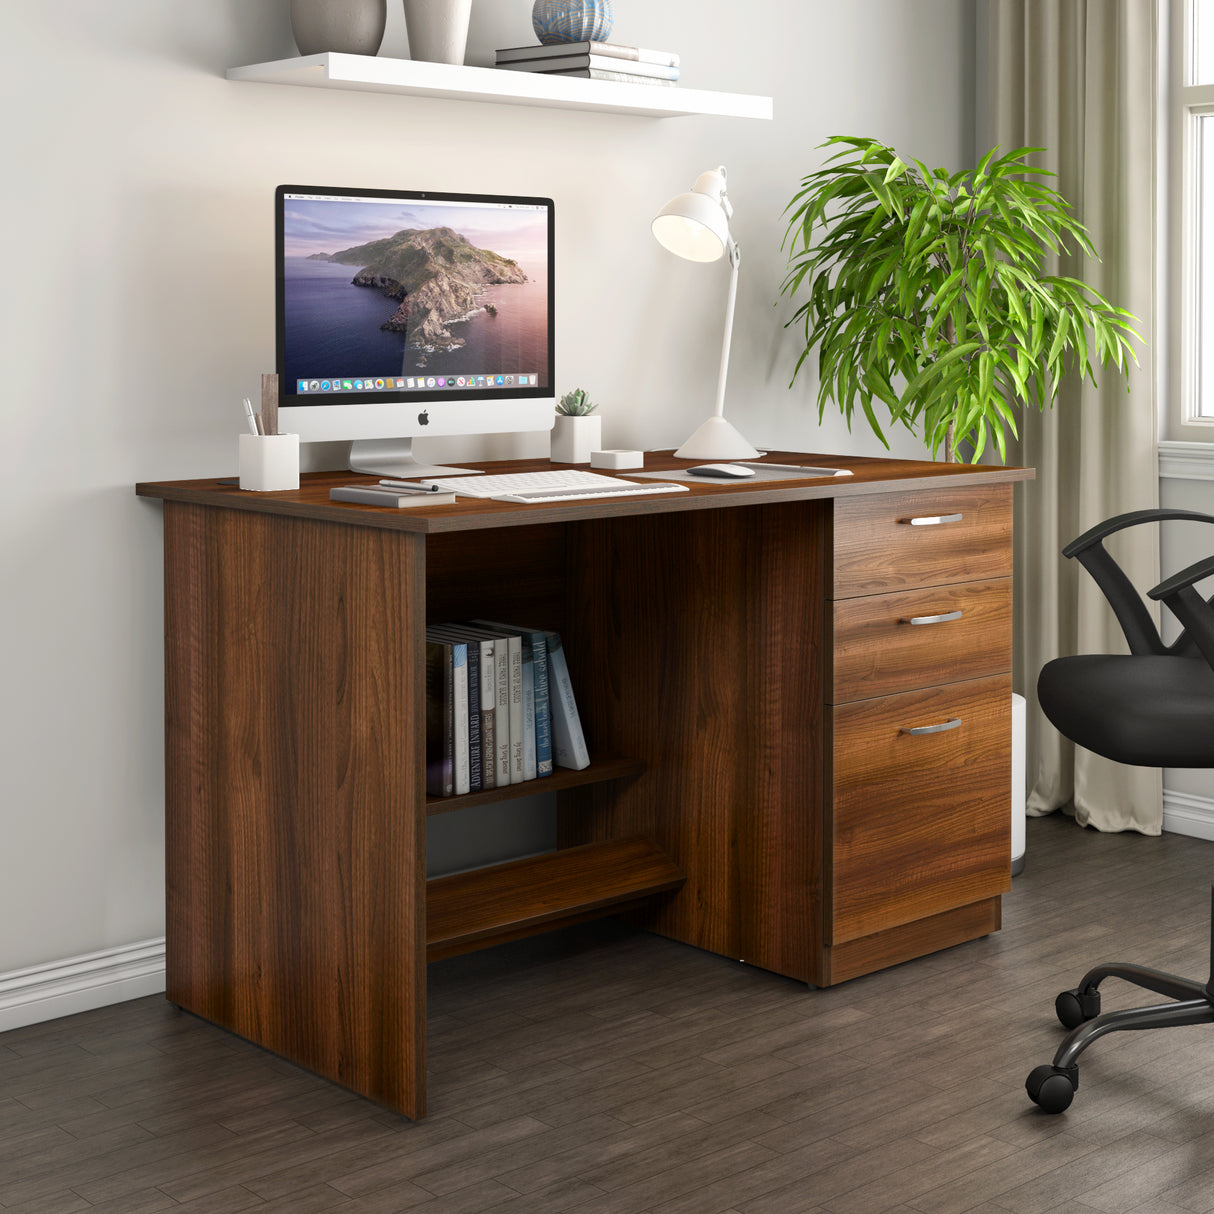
[(391, 300)]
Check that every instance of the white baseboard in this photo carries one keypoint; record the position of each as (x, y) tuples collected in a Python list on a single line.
[(1188, 814), (79, 984)]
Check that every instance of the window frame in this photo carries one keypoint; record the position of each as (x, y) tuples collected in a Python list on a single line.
[(1184, 104)]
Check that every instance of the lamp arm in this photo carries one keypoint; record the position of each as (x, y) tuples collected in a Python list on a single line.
[(735, 260)]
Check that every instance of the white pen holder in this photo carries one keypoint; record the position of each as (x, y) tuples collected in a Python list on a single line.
[(269, 462)]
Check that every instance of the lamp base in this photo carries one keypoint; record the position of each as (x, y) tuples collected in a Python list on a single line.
[(716, 439)]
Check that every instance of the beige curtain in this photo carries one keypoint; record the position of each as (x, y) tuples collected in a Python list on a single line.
[(1078, 78)]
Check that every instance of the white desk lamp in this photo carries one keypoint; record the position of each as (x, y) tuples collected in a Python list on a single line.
[(695, 225)]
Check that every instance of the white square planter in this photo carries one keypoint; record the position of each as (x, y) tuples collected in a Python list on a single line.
[(573, 438)]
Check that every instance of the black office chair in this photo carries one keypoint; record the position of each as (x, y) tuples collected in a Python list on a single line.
[(1152, 708)]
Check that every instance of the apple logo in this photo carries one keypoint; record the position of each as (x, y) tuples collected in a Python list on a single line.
[(423, 418)]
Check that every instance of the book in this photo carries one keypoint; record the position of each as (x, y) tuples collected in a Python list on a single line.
[(612, 50), (539, 733), (440, 721), (482, 702), (528, 667), (459, 699), (475, 780), (373, 495), (505, 672), (568, 741), (594, 73), (454, 702), (562, 63)]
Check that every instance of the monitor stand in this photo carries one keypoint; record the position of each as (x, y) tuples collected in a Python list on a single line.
[(394, 457)]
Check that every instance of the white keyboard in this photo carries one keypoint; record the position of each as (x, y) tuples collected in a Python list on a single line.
[(551, 485)]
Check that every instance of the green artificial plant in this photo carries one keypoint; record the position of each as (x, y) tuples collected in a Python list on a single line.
[(927, 293), (576, 404)]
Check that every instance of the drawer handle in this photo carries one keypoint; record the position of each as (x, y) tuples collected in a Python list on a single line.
[(933, 520), (920, 730), (932, 619)]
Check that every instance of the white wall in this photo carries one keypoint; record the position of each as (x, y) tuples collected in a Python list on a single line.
[(136, 215)]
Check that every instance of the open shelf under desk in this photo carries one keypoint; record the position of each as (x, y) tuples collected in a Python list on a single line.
[(489, 906), (602, 768)]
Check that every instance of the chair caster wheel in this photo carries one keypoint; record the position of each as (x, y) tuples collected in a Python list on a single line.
[(1075, 1007), (1052, 1089)]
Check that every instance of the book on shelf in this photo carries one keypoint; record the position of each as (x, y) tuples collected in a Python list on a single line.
[(499, 707), (440, 721), (447, 728), (528, 668), (482, 702), (508, 710), (568, 741), (613, 50), (595, 73), (537, 716), (567, 63)]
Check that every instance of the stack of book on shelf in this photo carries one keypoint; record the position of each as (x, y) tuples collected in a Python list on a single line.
[(499, 707), (594, 61)]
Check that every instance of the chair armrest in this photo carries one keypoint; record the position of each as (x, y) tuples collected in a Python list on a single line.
[(1194, 613), (1121, 521), (1140, 632)]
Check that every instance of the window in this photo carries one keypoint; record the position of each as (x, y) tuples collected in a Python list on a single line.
[(1193, 214)]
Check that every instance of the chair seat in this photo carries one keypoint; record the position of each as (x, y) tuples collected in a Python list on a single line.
[(1149, 711)]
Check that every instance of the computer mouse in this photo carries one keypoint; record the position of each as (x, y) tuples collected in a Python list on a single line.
[(724, 471)]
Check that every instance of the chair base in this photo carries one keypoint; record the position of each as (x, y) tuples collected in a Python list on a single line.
[(1053, 1086)]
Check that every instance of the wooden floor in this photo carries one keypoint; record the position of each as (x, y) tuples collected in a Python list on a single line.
[(609, 1072)]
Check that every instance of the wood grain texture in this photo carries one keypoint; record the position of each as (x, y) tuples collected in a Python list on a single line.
[(512, 574), (878, 652), (508, 901), (867, 954), (311, 499), (699, 631), (602, 768), (920, 824), (876, 550), (295, 850), (698, 649)]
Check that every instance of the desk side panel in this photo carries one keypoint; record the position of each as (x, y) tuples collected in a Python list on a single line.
[(695, 643), (294, 795)]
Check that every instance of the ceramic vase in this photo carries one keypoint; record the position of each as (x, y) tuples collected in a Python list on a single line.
[(438, 29), (573, 438), (351, 27), (571, 21)]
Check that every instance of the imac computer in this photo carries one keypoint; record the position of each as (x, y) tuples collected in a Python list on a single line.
[(407, 313)]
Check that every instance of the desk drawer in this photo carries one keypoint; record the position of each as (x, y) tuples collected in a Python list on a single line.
[(885, 643), (896, 541), (921, 824)]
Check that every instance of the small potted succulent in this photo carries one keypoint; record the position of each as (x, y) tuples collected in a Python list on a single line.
[(575, 433)]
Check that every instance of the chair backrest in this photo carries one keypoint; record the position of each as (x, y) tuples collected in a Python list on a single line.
[(1127, 603)]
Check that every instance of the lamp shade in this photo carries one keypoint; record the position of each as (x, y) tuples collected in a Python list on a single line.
[(692, 226), (695, 225)]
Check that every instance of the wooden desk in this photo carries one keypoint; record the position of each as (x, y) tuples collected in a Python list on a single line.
[(745, 672)]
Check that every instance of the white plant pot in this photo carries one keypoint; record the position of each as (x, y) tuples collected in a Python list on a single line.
[(573, 438), (438, 29)]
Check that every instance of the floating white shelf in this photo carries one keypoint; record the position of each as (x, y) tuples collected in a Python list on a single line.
[(368, 73)]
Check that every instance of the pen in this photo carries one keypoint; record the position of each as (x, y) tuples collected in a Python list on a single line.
[(248, 412), (420, 486)]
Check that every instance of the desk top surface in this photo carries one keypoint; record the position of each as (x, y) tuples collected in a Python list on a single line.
[(311, 499)]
